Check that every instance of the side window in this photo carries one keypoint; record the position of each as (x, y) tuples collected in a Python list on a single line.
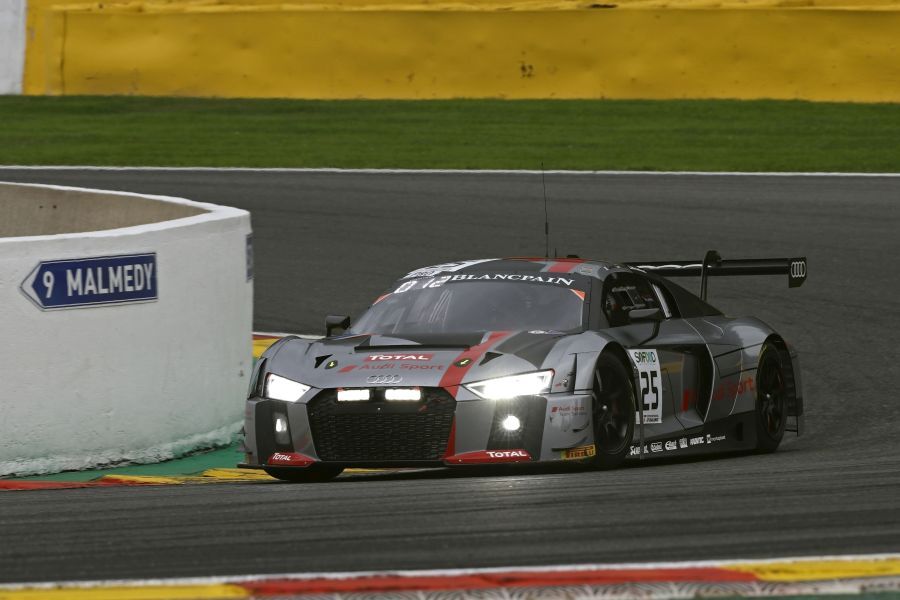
[(623, 293)]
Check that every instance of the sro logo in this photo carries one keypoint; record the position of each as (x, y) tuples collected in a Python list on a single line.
[(798, 268)]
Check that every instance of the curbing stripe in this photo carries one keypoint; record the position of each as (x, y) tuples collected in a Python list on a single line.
[(833, 567), (817, 570), (440, 171), (200, 592)]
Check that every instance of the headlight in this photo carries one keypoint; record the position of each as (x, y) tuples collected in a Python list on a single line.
[(526, 384), (282, 388)]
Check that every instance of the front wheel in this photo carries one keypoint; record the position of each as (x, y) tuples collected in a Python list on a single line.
[(313, 474), (771, 396), (612, 406)]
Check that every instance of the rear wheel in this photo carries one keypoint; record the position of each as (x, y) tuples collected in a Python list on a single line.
[(612, 402), (771, 399), (313, 474)]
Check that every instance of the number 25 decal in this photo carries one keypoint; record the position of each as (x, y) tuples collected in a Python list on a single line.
[(649, 388)]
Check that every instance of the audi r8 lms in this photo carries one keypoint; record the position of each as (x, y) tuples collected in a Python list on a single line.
[(528, 360)]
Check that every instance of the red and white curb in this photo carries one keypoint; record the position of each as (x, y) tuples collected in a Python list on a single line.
[(825, 575)]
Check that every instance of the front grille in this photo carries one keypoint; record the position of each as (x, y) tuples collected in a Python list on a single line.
[(379, 430)]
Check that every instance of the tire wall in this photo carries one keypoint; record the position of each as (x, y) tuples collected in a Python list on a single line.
[(138, 381), (412, 49)]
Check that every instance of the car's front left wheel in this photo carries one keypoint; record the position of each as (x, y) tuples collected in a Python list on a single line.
[(313, 474), (612, 399)]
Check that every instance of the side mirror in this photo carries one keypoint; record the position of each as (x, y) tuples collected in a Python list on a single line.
[(645, 315), (333, 322)]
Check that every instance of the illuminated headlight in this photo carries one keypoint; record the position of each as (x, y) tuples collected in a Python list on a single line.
[(501, 388), (282, 388), (407, 394), (352, 395)]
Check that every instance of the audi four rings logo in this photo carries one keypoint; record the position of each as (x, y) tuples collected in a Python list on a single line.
[(798, 268), (384, 379)]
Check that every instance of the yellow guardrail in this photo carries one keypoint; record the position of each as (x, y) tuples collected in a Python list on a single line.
[(842, 50)]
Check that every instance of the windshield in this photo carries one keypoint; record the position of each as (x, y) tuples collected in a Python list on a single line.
[(480, 302)]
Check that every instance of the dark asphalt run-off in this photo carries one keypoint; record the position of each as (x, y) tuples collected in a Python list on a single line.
[(330, 242)]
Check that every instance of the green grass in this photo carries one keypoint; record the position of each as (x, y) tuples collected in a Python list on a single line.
[(466, 134)]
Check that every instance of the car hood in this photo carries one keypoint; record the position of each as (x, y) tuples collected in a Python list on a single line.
[(414, 360)]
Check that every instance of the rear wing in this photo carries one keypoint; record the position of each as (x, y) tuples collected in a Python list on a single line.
[(714, 265)]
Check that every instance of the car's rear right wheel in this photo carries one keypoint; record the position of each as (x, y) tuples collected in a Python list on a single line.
[(313, 474), (771, 397), (612, 399)]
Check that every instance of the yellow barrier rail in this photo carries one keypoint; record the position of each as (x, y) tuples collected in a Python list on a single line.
[(838, 50)]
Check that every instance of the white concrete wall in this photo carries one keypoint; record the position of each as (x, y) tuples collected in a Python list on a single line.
[(12, 45), (87, 386)]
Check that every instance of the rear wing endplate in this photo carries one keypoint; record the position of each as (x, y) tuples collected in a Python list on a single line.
[(714, 265)]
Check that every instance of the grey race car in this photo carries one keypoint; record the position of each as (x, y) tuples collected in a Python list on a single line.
[(527, 360)]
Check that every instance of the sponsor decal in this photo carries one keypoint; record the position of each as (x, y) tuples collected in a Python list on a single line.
[(514, 277), (290, 459), (696, 441), (650, 392), (331, 364), (714, 438), (683, 443), (729, 389), (579, 452), (564, 414), (489, 456), (378, 357), (384, 379), (449, 267), (656, 447), (671, 445), (82, 282), (462, 363)]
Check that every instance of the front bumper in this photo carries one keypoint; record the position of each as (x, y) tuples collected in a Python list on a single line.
[(438, 431)]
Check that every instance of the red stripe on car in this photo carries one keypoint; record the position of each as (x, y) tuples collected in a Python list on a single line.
[(460, 365)]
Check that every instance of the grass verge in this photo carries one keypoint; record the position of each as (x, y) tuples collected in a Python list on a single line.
[(690, 135)]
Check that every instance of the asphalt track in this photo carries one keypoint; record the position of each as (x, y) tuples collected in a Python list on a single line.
[(329, 242)]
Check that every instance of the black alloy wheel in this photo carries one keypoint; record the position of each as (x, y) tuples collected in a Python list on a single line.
[(771, 399), (612, 412)]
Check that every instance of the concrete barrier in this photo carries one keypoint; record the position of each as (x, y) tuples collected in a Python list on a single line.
[(12, 45), (840, 50), (127, 338)]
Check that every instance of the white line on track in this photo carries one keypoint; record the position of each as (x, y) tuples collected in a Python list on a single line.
[(439, 171), (225, 579)]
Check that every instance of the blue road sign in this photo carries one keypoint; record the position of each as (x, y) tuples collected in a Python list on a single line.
[(80, 282)]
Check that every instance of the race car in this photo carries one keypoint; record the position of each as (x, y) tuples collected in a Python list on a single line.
[(528, 360)]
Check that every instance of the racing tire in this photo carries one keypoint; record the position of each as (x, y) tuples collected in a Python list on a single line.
[(612, 412), (771, 399), (314, 474)]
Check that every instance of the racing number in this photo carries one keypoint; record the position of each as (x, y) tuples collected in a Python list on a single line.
[(649, 388), (648, 366)]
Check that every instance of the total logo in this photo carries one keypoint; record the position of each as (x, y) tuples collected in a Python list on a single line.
[(683, 443), (388, 357), (507, 454)]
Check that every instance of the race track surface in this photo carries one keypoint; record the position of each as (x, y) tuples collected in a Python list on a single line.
[(329, 242)]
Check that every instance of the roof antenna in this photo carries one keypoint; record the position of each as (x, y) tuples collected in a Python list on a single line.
[(546, 213)]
